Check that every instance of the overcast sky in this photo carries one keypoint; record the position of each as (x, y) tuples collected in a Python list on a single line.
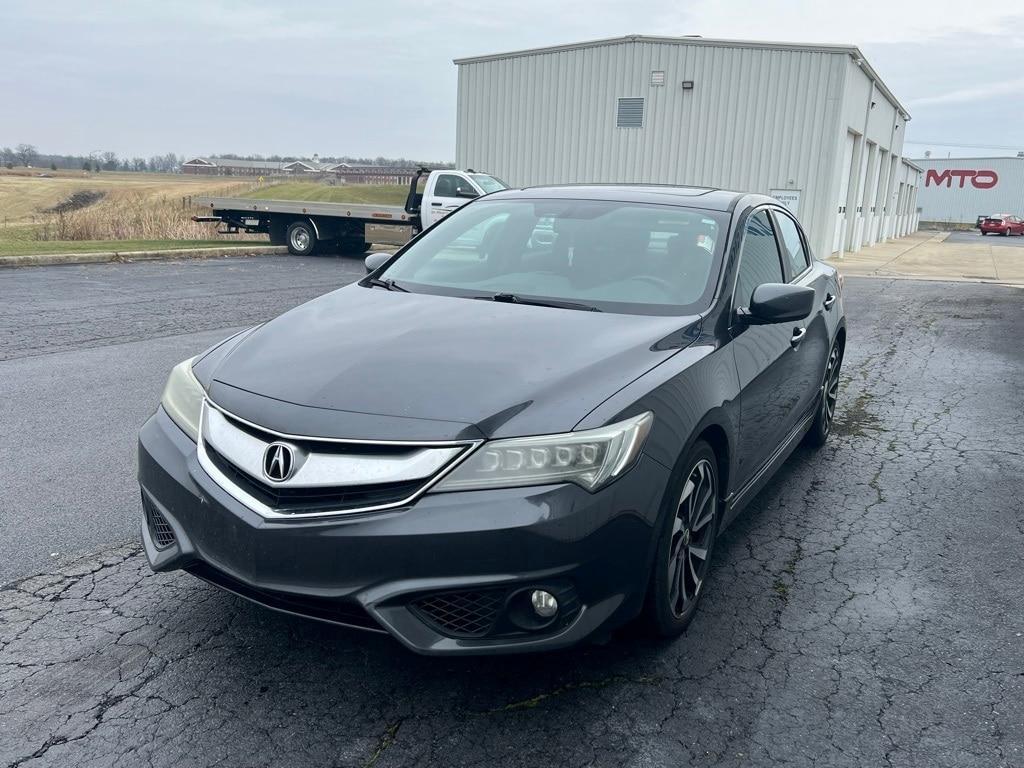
[(376, 78)]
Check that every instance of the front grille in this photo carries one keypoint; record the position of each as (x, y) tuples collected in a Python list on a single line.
[(159, 529), (298, 500), (471, 613), (334, 610)]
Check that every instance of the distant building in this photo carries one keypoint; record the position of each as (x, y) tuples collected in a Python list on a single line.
[(226, 166), (958, 190), (351, 174), (811, 125)]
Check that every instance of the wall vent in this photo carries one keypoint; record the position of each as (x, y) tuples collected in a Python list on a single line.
[(630, 113), (658, 77)]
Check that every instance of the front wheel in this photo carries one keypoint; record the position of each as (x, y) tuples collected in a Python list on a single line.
[(821, 427), (301, 238), (688, 533)]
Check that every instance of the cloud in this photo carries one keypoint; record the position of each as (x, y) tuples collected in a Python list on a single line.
[(979, 92)]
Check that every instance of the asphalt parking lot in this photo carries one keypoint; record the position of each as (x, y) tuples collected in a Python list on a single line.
[(868, 609), (974, 237)]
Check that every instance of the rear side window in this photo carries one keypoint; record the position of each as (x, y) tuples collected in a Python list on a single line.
[(759, 258), (792, 245)]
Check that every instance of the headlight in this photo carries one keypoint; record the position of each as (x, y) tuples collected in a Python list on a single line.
[(183, 398), (589, 459)]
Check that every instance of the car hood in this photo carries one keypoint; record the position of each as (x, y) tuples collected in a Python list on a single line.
[(373, 364)]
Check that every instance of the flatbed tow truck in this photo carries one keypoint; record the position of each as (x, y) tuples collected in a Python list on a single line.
[(349, 227)]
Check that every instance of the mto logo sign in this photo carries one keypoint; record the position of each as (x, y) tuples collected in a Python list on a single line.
[(979, 179)]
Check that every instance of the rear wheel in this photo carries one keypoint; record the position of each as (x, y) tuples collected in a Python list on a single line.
[(688, 533), (822, 425), (301, 238)]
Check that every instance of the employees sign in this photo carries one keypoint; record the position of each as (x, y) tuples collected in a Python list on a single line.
[(788, 197)]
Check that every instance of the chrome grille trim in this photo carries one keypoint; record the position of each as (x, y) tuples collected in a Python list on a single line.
[(445, 457), (315, 470)]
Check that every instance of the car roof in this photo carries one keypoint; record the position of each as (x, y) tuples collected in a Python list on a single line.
[(664, 194)]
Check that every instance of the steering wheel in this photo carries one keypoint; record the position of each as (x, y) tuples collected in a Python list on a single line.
[(665, 285)]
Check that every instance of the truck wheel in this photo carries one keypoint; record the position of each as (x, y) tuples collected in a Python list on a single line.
[(301, 238)]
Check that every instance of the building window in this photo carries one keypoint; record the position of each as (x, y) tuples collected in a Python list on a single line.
[(630, 113), (658, 77)]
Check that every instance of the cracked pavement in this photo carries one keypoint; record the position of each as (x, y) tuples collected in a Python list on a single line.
[(867, 609)]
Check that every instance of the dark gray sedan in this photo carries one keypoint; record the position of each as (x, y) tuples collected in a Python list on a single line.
[(526, 427)]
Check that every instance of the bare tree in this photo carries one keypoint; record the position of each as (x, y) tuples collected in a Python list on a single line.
[(7, 156), (26, 154), (109, 161)]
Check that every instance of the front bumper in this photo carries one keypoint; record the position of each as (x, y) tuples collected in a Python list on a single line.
[(378, 570)]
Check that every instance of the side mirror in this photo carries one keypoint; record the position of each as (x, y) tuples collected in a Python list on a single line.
[(778, 303), (376, 260), (466, 192)]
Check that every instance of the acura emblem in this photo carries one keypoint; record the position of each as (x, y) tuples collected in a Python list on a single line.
[(278, 462)]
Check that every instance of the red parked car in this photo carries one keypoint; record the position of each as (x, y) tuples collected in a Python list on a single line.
[(1002, 224)]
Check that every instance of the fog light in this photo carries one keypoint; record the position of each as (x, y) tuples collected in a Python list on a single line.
[(544, 603)]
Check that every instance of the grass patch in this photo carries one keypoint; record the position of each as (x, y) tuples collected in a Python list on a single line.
[(379, 194), (24, 196), (36, 247)]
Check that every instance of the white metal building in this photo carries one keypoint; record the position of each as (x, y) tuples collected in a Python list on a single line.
[(813, 125), (960, 189)]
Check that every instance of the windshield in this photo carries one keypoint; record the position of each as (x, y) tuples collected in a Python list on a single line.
[(615, 256), (488, 183)]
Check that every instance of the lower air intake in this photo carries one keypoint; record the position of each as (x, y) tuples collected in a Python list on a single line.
[(472, 613), (159, 529)]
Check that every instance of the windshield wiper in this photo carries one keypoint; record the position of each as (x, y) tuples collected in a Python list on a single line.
[(386, 282), (514, 298)]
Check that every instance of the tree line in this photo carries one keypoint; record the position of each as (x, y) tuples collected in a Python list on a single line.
[(27, 156)]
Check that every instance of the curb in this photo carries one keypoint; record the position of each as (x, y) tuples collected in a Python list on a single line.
[(102, 257)]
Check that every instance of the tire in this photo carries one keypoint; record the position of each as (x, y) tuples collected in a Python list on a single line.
[(301, 238), (821, 427), (689, 527)]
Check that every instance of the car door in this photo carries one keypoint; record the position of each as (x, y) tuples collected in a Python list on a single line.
[(810, 353), (451, 191), (766, 356)]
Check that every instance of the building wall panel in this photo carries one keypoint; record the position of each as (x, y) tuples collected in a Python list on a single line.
[(757, 119), (943, 199)]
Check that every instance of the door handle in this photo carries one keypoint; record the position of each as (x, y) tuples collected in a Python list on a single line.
[(829, 301), (436, 205), (798, 336)]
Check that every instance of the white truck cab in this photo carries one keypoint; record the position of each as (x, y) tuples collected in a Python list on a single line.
[(444, 191)]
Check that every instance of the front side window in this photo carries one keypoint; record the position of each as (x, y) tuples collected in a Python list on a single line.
[(792, 245), (615, 256), (447, 185), (759, 258)]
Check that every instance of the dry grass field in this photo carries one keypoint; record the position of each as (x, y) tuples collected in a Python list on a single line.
[(73, 211), (24, 195)]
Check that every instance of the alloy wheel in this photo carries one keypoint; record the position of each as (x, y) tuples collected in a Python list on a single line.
[(693, 531), (831, 389)]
